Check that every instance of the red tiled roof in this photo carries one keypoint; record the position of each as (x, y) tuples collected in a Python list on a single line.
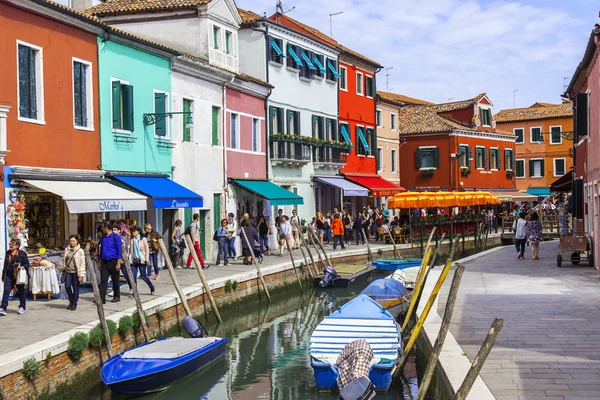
[(564, 110), (248, 16), (400, 98), (113, 7)]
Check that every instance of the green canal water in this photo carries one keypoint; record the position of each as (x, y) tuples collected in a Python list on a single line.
[(267, 355)]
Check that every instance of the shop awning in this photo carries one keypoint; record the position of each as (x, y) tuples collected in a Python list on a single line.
[(164, 192), (510, 196), (539, 191), (564, 184), (92, 197), (277, 195), (378, 186), (350, 189)]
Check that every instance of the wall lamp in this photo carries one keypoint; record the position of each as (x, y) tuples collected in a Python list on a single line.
[(151, 119)]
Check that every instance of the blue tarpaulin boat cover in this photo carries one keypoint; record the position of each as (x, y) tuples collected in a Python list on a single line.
[(382, 289)]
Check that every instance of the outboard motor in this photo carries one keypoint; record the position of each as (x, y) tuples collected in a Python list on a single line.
[(359, 389), (330, 275), (194, 328)]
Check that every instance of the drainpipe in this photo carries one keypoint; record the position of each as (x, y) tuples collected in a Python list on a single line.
[(265, 33), (375, 98)]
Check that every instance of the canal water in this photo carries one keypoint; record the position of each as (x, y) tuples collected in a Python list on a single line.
[(267, 355)]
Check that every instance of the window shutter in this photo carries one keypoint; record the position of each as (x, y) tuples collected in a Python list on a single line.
[(418, 158), (187, 135), (271, 112), (484, 158), (531, 165), (215, 125), (116, 105), (436, 157), (32, 84), (128, 117), (469, 157), (506, 155), (542, 167), (160, 128), (288, 114), (297, 122), (581, 114), (280, 120), (77, 94)]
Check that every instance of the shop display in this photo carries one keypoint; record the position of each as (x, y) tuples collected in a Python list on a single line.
[(15, 218), (43, 278)]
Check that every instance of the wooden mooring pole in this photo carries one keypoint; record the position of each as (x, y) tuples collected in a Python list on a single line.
[(165, 254), (289, 249), (312, 241), (98, 301), (258, 271), (213, 304), (322, 249), (396, 253), (370, 254), (136, 295)]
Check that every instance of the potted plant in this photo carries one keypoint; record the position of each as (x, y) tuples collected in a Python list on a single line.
[(510, 173), (465, 171), (427, 171)]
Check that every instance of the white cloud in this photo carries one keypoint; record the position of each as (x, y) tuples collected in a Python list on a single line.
[(443, 49)]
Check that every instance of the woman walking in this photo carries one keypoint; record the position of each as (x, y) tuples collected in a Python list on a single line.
[(347, 220), (285, 231), (14, 260), (221, 235), (533, 230), (520, 235), (74, 270), (320, 225), (327, 228), (264, 230), (178, 244), (252, 235), (232, 227), (295, 222), (139, 255), (152, 237)]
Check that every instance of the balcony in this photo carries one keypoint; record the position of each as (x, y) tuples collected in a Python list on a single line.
[(289, 152), (329, 156)]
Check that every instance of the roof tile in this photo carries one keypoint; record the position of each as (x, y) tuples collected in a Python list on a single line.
[(564, 110), (112, 7), (400, 98), (248, 16)]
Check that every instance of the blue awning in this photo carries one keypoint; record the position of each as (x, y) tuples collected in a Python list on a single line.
[(362, 138), (277, 49), (539, 191), (345, 134), (310, 64), (321, 67), (333, 70), (350, 189), (295, 56), (164, 192)]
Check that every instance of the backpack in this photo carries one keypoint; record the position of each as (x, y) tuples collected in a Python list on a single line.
[(188, 230), (215, 237)]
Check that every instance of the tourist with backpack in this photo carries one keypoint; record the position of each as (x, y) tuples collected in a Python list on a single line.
[(220, 237), (194, 231)]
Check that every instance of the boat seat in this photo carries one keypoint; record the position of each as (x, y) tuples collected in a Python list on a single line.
[(169, 348)]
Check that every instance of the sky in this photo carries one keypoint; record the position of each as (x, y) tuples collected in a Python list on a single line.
[(449, 49)]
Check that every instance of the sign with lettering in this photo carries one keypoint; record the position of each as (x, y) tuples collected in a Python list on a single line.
[(95, 206), (178, 203)]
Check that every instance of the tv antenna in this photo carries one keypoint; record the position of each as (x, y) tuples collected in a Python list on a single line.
[(387, 79), (279, 7)]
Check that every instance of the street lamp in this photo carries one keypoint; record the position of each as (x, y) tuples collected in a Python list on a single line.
[(151, 119)]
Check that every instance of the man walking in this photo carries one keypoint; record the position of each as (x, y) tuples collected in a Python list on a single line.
[(194, 232), (110, 258)]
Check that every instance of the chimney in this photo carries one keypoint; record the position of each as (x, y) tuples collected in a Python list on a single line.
[(81, 5)]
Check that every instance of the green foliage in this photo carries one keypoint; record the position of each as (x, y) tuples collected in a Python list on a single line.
[(228, 285), (125, 325), (380, 252), (77, 343), (301, 266), (48, 358), (160, 314), (97, 334), (31, 368), (234, 285), (136, 320)]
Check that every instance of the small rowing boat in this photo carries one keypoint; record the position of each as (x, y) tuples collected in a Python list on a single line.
[(389, 293)]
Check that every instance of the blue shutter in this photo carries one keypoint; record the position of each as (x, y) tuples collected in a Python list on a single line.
[(295, 56), (310, 64), (345, 134), (160, 128), (276, 48), (362, 138), (321, 67), (333, 70)]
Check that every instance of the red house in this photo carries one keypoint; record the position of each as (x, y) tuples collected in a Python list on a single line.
[(455, 146)]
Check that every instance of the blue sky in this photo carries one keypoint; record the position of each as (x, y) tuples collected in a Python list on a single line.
[(442, 49)]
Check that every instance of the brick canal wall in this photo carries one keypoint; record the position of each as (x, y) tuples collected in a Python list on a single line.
[(62, 370)]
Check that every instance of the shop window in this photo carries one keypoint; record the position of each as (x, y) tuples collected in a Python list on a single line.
[(122, 106), (30, 88)]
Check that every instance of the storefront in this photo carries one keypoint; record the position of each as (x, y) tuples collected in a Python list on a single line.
[(337, 192)]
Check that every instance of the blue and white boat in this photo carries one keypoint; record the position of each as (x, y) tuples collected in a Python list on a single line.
[(395, 264), (154, 366), (390, 294), (360, 318)]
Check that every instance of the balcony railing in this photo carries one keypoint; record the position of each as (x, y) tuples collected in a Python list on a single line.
[(297, 150), (289, 152), (331, 157)]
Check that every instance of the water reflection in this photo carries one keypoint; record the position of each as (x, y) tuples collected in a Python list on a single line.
[(267, 354)]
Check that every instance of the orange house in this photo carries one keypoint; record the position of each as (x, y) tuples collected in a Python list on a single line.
[(543, 154)]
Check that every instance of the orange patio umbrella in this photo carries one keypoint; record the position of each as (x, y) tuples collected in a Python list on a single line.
[(410, 200)]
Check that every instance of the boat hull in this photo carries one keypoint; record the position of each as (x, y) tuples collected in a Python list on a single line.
[(393, 265), (161, 378), (326, 380), (345, 281)]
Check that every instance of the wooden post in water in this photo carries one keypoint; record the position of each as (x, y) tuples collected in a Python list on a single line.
[(260, 276), (165, 254), (439, 342), (370, 254), (322, 249), (312, 241), (213, 304), (417, 289), (302, 245), (479, 359), (312, 260), (98, 301), (289, 249), (136, 295), (396, 253)]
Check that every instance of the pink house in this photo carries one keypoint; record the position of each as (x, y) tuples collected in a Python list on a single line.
[(584, 91)]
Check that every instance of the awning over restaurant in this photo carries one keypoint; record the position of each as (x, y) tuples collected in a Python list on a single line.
[(564, 184), (91, 197), (378, 186), (510, 196), (539, 191), (276, 195), (350, 189), (164, 192)]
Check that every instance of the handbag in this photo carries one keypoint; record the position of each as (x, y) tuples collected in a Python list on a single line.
[(21, 276)]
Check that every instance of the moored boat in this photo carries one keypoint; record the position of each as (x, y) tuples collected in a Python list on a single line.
[(395, 264), (389, 293), (360, 318), (344, 275)]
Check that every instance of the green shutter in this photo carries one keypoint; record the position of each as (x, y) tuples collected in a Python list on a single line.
[(270, 117), (542, 168), (215, 37), (202, 230), (227, 39), (418, 158), (160, 128), (484, 155), (187, 107), (436, 157), (128, 114), (530, 168), (116, 105), (216, 211), (288, 116), (215, 126), (297, 122)]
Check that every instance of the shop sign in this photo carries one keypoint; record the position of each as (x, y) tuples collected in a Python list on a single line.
[(108, 206), (178, 203)]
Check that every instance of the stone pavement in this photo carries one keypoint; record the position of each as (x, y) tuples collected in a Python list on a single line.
[(45, 319), (549, 347)]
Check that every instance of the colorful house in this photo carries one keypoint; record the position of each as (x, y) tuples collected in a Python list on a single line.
[(584, 92), (543, 150), (455, 146)]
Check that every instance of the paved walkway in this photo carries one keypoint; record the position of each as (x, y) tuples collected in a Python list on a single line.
[(45, 319), (549, 347)]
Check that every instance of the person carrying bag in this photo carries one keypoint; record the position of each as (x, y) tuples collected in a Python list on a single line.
[(15, 273)]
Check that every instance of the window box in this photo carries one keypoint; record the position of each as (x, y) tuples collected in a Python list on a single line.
[(465, 171), (427, 171), (510, 173)]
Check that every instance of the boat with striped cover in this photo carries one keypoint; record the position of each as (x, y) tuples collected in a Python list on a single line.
[(360, 318)]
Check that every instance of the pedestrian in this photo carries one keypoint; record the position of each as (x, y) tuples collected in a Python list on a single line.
[(347, 220), (320, 226), (14, 260), (295, 222), (74, 271), (152, 236), (358, 226), (533, 230), (385, 212), (337, 227), (139, 253), (264, 230), (253, 239), (232, 228), (221, 238), (194, 231), (378, 220), (178, 244), (520, 235), (110, 262), (285, 232)]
